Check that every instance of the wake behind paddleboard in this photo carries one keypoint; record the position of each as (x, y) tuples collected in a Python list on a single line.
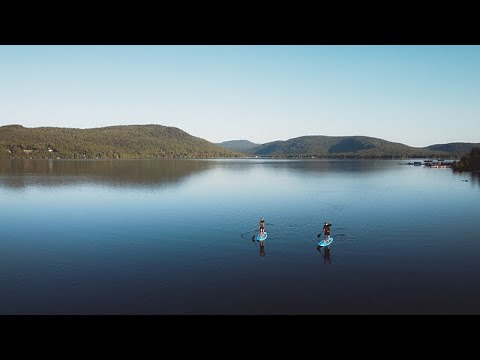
[(326, 242), (262, 238)]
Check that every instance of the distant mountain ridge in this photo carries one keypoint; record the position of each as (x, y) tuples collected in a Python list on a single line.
[(352, 147), (244, 146), (457, 148), (112, 142)]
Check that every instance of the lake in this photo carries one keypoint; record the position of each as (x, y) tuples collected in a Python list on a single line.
[(175, 237)]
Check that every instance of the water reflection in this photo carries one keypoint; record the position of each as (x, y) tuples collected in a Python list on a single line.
[(262, 248), (325, 251), (309, 166), (103, 248), (147, 173), (472, 177), (154, 173), (259, 244)]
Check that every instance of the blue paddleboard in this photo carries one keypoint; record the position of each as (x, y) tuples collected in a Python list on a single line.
[(262, 238), (325, 242)]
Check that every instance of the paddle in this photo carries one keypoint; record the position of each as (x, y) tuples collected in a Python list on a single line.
[(319, 234)]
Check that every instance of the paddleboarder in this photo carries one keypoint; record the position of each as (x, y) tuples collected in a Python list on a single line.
[(326, 229), (262, 227)]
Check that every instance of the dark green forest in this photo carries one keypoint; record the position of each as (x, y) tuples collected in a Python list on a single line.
[(113, 142), (470, 162)]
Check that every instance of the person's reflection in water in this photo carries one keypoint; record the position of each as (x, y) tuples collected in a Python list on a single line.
[(262, 248), (325, 254), (262, 245)]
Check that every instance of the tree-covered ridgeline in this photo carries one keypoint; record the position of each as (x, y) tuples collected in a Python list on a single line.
[(320, 146), (157, 141), (113, 142)]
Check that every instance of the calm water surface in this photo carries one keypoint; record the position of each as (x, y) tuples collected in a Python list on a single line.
[(175, 237)]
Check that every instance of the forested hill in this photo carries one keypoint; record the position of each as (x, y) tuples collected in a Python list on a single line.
[(343, 146), (112, 142), (157, 141), (455, 148), (244, 146)]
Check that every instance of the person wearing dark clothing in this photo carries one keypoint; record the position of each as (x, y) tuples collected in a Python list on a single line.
[(262, 226), (326, 228)]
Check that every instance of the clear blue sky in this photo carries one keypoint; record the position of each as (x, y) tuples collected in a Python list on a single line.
[(416, 95)]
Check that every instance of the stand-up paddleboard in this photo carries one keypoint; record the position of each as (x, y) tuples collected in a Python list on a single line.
[(262, 238), (326, 242)]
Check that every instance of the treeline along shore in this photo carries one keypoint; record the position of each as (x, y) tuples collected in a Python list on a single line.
[(158, 141)]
